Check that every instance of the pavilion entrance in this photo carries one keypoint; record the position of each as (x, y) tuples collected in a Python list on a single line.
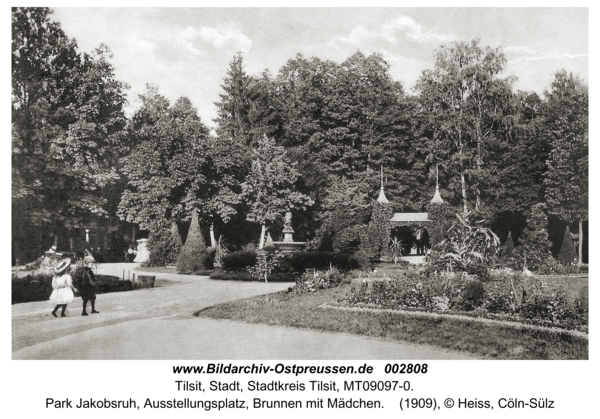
[(415, 239)]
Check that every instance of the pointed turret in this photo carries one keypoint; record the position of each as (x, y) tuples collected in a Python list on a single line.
[(382, 199), (437, 199)]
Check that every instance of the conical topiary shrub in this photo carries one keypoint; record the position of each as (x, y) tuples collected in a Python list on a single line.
[(509, 247), (567, 254), (163, 246), (193, 256), (438, 236)]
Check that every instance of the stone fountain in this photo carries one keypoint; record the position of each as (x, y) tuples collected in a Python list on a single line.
[(288, 245)]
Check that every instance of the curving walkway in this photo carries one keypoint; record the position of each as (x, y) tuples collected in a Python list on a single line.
[(158, 323)]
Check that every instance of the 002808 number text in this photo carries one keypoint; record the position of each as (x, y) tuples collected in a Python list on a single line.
[(405, 368)]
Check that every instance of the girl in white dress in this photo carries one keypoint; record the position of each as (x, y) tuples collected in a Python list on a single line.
[(63, 289)]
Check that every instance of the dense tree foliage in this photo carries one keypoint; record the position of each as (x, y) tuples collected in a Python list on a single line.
[(269, 186), (175, 166), (566, 126), (67, 116), (465, 105), (311, 139)]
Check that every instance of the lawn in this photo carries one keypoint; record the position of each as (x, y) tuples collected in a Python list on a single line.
[(490, 341)]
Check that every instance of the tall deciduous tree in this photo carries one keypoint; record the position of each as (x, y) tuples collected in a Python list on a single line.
[(566, 125), (67, 117), (175, 167), (269, 186), (464, 102)]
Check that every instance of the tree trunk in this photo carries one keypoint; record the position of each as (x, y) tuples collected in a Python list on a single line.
[(580, 242), (463, 186), (213, 242), (262, 237)]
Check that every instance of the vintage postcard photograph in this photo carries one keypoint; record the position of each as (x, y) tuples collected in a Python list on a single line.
[(299, 183)]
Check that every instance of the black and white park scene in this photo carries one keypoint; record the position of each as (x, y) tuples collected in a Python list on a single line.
[(318, 184)]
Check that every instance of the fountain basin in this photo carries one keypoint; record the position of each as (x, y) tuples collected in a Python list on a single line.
[(288, 247)]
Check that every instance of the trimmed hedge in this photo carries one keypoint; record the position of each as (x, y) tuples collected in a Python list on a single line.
[(238, 261), (39, 287), (300, 262), (164, 245), (567, 254), (246, 276), (194, 255)]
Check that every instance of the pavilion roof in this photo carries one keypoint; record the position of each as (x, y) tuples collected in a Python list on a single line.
[(410, 216), (437, 199)]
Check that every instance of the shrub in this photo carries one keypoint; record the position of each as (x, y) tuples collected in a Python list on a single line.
[(105, 287), (238, 261), (302, 261), (164, 245), (374, 238), (31, 288), (313, 281), (555, 308), (481, 271), (474, 292), (467, 243), (193, 256), (496, 299), (395, 249), (347, 238), (265, 263), (438, 236), (39, 287), (221, 274), (567, 252), (552, 267), (535, 245), (250, 247), (221, 249), (361, 260), (408, 290)]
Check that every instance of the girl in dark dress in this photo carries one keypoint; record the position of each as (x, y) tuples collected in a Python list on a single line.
[(87, 290)]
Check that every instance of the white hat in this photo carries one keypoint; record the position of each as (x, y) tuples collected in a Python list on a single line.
[(62, 265)]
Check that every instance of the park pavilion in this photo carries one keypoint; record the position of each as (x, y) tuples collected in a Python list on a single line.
[(415, 227)]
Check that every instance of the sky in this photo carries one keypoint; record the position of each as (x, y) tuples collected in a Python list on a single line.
[(187, 51)]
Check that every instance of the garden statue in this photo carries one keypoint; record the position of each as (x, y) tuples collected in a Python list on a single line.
[(287, 222), (288, 244)]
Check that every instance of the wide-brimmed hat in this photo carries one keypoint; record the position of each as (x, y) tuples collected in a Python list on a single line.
[(62, 265)]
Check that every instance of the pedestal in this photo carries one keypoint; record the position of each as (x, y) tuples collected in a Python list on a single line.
[(287, 235)]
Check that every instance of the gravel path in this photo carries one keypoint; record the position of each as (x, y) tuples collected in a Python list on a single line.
[(158, 323)]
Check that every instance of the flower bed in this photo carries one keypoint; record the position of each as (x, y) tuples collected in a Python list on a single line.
[(246, 276), (521, 299), (313, 281)]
